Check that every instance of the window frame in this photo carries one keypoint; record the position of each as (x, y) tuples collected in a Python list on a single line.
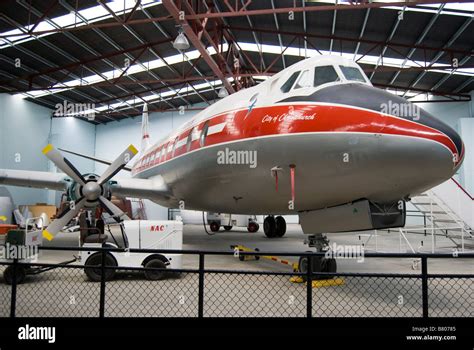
[(335, 70), (305, 71), (294, 74), (340, 67)]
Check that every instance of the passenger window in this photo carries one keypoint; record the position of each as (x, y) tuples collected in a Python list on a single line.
[(289, 83), (202, 139), (163, 151), (324, 74), (352, 73), (303, 80)]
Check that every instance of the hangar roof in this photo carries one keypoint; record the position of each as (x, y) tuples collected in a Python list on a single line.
[(118, 54)]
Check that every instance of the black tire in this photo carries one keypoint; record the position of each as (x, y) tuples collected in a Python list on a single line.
[(269, 227), (253, 227), (20, 274), (241, 257), (155, 275), (93, 267), (214, 226), (303, 264), (280, 226), (227, 228), (330, 265)]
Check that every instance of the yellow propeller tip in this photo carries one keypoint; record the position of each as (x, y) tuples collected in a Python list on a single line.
[(47, 235), (47, 149), (133, 149)]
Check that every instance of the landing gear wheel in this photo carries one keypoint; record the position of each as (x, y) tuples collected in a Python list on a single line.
[(253, 227), (316, 261), (280, 228), (93, 267), (269, 227), (155, 275), (227, 228), (20, 274), (330, 265), (214, 226)]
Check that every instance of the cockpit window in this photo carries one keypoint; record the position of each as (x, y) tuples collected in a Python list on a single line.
[(352, 73), (303, 80), (289, 83), (324, 74)]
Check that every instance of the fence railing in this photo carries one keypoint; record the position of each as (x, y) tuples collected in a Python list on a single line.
[(62, 290)]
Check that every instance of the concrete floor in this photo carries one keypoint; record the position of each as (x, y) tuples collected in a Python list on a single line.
[(66, 292)]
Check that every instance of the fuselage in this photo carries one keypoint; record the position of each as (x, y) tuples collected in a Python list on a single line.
[(345, 139)]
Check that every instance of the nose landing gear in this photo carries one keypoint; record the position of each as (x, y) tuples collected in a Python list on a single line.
[(319, 263), (274, 227)]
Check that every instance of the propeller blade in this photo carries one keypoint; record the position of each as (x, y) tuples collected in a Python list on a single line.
[(112, 209), (118, 164), (63, 164), (62, 220)]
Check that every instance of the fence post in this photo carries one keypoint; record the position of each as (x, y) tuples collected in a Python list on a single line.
[(102, 285), (14, 287), (309, 287), (201, 286), (424, 285)]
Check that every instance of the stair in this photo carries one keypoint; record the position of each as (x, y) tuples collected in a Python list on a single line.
[(441, 220)]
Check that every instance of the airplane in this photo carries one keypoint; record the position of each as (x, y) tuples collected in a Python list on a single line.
[(316, 139)]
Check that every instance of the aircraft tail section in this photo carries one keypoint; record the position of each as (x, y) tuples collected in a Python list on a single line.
[(145, 143)]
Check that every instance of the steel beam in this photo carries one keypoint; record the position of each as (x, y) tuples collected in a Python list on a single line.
[(303, 9), (192, 37), (351, 39)]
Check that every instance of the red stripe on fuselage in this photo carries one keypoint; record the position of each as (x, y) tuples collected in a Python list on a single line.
[(301, 118)]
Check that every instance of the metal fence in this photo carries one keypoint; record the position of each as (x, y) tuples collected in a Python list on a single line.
[(64, 291)]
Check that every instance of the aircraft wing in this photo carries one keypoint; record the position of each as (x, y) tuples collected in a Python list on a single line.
[(35, 179), (155, 188), (127, 187)]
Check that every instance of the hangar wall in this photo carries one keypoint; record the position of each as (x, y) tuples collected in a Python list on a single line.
[(25, 128), (460, 116)]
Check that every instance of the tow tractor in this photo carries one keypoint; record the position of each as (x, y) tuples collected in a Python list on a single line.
[(21, 244), (216, 220), (135, 234)]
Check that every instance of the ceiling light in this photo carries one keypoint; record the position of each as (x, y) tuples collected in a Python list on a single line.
[(181, 43), (222, 92)]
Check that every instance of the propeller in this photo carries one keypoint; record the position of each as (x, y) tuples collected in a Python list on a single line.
[(91, 191)]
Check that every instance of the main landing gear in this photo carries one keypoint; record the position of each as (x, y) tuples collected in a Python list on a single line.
[(319, 263), (274, 227)]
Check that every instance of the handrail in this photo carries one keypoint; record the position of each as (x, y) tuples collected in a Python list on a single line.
[(463, 189)]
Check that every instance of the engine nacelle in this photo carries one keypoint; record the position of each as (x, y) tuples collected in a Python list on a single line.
[(357, 216)]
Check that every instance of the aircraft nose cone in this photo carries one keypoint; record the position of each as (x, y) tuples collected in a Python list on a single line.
[(457, 145)]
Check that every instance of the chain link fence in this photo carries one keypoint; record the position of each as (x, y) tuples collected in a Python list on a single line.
[(65, 291)]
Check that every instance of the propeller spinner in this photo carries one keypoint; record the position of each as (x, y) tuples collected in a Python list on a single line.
[(91, 190)]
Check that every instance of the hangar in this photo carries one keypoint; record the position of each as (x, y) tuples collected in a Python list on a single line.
[(294, 141)]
